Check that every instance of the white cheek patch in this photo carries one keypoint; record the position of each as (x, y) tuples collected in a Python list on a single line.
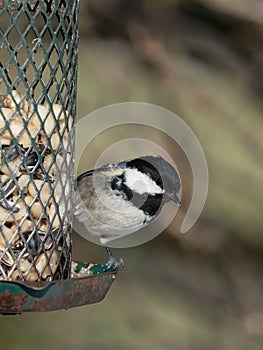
[(141, 183)]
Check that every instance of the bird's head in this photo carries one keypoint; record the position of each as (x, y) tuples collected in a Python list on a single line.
[(153, 176)]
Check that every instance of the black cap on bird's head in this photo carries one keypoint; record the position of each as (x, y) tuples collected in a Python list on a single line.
[(162, 173)]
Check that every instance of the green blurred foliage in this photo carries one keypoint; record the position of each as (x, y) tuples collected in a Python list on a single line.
[(202, 60)]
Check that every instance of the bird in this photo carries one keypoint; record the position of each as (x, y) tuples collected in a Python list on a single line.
[(117, 199)]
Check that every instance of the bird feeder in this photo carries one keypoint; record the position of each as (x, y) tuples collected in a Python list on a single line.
[(38, 83)]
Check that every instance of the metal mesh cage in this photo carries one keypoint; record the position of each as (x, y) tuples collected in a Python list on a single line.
[(38, 71)]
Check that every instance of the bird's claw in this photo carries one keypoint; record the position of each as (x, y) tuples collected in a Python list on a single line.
[(113, 264)]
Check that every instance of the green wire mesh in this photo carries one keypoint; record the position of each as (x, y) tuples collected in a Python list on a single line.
[(38, 76)]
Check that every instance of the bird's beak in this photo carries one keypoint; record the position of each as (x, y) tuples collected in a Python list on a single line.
[(175, 198)]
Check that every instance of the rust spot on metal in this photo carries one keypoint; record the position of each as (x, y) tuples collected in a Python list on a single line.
[(11, 303)]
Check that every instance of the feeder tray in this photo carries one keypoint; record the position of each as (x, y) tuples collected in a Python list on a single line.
[(18, 297)]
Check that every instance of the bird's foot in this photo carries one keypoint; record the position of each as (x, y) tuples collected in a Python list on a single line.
[(113, 264)]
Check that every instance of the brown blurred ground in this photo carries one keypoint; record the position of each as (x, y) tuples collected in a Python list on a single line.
[(204, 61)]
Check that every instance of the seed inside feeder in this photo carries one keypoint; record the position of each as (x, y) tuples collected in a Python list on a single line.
[(33, 187)]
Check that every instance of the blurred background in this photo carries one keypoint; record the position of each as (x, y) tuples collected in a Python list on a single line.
[(203, 60)]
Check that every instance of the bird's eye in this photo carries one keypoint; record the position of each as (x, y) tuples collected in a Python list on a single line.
[(159, 181)]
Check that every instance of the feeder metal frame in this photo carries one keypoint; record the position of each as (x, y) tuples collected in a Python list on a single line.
[(38, 61)]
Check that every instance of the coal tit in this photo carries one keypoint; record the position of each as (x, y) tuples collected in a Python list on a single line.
[(116, 200)]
